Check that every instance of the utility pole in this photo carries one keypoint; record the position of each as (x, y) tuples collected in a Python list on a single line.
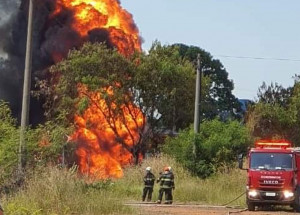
[(197, 102), (26, 89)]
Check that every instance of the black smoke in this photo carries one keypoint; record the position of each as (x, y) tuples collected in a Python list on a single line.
[(10, 76), (50, 35)]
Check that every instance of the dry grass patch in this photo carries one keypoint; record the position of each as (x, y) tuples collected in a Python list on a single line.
[(54, 191)]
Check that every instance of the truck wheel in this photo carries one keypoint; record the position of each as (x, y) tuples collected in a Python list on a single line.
[(251, 206)]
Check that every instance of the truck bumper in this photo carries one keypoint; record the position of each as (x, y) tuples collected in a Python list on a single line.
[(270, 197)]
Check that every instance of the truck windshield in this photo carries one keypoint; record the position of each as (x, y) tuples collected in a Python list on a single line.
[(271, 161)]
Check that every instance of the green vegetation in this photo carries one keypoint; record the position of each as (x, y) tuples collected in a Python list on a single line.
[(217, 146), (277, 113), (155, 83), (8, 143), (59, 191), (161, 84), (53, 191), (43, 145), (230, 182), (218, 97)]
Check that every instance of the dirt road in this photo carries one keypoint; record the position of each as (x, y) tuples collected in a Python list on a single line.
[(187, 209)]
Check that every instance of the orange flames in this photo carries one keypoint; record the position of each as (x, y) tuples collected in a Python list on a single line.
[(103, 14), (104, 139), (104, 144)]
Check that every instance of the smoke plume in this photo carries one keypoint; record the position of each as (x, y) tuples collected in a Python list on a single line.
[(54, 35), (8, 10)]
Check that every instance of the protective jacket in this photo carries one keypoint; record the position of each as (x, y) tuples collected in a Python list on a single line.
[(149, 179), (166, 180)]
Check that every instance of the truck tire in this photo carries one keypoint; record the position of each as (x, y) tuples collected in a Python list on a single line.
[(251, 206)]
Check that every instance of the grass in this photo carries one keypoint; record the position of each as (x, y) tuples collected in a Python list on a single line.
[(57, 191), (216, 190)]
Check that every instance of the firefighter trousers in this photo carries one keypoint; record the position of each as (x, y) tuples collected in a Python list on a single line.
[(149, 191), (168, 195)]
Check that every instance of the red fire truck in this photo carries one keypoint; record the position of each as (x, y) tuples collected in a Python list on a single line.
[(273, 174)]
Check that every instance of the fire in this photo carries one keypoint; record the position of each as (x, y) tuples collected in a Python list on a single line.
[(89, 15), (104, 144), (100, 153)]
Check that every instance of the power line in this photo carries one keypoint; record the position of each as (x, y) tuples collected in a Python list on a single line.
[(258, 58)]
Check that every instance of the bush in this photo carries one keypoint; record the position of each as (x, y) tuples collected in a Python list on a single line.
[(217, 145), (9, 141), (44, 145)]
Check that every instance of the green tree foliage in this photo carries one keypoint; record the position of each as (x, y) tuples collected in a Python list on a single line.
[(218, 145), (274, 94), (276, 114), (160, 83), (95, 66), (103, 72), (9, 140), (166, 87), (219, 98), (44, 145)]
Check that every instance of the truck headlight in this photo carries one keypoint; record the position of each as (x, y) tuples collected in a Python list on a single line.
[(288, 194), (252, 193)]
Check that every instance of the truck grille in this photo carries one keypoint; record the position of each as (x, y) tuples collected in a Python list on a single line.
[(271, 183)]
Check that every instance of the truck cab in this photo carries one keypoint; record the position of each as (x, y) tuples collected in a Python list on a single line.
[(273, 173)]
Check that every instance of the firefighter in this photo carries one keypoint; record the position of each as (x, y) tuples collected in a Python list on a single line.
[(173, 188), (149, 179), (167, 184)]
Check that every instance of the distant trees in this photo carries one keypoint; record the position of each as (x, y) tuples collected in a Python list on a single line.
[(219, 98), (166, 87), (274, 94), (277, 113)]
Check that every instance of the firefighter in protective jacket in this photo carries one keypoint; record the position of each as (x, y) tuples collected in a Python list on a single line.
[(167, 184), (149, 179)]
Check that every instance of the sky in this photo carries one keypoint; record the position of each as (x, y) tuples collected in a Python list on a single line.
[(240, 28)]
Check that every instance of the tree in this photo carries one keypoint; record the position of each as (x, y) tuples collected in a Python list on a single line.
[(274, 94), (219, 98), (218, 145), (269, 121), (166, 88), (294, 110), (93, 87), (276, 114), (135, 96)]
